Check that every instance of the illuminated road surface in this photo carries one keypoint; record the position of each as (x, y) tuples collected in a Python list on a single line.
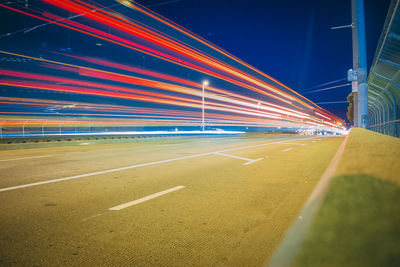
[(204, 201)]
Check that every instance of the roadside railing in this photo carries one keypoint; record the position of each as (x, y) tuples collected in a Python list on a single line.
[(389, 128)]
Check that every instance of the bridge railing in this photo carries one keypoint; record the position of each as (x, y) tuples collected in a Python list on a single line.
[(384, 78)]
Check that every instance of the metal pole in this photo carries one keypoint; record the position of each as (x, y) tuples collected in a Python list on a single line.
[(202, 107), (258, 115), (23, 128), (354, 84), (45, 123), (362, 64), (355, 107)]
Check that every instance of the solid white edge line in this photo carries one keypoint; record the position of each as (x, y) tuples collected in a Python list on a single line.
[(99, 172), (143, 199), (287, 149), (35, 157), (137, 166)]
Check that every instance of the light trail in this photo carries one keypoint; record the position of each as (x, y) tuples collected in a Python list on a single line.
[(241, 95), (97, 33), (130, 80)]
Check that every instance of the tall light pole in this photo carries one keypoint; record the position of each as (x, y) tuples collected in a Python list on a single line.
[(205, 83), (360, 54), (354, 81), (359, 82), (258, 114)]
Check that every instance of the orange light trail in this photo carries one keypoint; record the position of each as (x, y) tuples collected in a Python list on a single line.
[(172, 100)]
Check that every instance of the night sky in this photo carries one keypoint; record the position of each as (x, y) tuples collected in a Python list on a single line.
[(290, 40)]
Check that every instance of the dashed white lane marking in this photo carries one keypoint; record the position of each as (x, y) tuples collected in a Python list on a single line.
[(287, 149), (249, 161), (84, 144), (232, 156), (172, 144), (313, 141), (140, 200), (140, 165), (296, 144), (36, 157), (93, 216)]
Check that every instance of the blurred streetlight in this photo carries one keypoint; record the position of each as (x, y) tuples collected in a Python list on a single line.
[(205, 83)]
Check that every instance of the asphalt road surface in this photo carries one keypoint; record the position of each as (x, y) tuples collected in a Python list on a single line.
[(181, 202)]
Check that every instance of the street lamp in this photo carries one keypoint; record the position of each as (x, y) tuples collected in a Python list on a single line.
[(205, 83), (23, 128), (258, 114)]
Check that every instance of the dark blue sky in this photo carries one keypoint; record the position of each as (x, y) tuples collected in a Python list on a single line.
[(290, 40)]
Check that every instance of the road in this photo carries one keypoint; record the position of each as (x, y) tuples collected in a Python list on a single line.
[(181, 202)]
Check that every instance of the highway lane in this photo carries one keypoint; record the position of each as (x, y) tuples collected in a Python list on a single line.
[(224, 213), (31, 165), (67, 161)]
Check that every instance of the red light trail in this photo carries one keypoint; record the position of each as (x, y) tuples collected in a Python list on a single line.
[(242, 95)]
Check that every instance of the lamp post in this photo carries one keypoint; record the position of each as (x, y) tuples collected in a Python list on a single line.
[(23, 128), (43, 128), (258, 114), (205, 83), (360, 83), (362, 75)]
